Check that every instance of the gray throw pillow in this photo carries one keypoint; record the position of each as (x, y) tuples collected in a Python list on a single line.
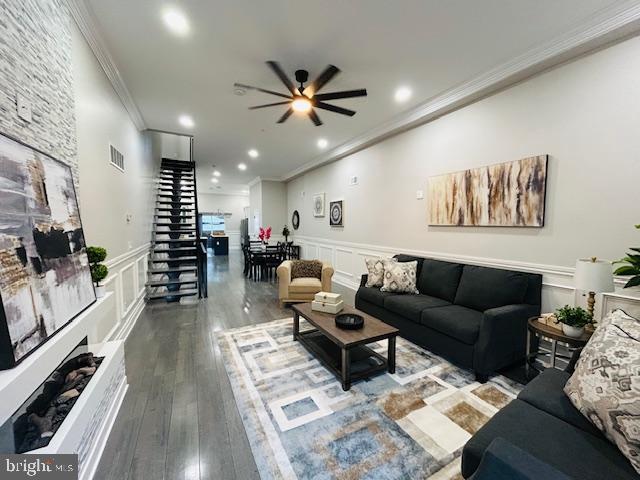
[(400, 277), (605, 385), (375, 267)]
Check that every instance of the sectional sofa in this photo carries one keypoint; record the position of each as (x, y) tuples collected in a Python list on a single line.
[(474, 316)]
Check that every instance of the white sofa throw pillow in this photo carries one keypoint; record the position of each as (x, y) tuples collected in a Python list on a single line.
[(400, 277), (375, 267)]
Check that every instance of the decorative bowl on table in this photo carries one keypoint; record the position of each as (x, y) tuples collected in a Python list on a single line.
[(349, 321)]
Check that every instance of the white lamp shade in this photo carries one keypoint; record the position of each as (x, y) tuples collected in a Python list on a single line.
[(593, 276)]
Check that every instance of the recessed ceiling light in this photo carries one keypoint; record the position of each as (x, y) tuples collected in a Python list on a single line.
[(216, 173), (301, 104), (322, 143), (186, 121), (402, 94), (253, 153), (176, 21), (214, 180), (242, 166)]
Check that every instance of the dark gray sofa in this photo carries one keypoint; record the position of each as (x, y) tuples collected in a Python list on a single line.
[(474, 316), (543, 422)]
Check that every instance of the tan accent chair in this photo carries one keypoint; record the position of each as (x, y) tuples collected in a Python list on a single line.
[(301, 289)]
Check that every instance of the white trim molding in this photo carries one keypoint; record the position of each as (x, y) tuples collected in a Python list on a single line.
[(607, 26), (85, 19), (347, 259)]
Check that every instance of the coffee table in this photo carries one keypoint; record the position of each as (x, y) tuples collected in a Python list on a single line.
[(345, 352)]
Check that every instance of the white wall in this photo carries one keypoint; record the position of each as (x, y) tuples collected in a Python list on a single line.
[(583, 114), (107, 195), (255, 208), (274, 199), (176, 147)]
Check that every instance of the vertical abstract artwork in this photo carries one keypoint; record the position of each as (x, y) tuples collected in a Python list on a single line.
[(44, 271), (318, 205), (508, 194)]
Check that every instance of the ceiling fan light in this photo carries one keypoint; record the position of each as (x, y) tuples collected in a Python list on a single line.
[(301, 105)]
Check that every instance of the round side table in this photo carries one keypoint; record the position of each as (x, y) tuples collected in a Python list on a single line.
[(540, 330)]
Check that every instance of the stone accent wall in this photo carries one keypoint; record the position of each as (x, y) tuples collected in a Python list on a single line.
[(35, 61)]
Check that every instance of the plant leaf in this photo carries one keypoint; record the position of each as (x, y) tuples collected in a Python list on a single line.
[(627, 270), (634, 282)]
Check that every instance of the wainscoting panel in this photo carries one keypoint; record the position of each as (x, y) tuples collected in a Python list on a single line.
[(348, 260), (127, 276)]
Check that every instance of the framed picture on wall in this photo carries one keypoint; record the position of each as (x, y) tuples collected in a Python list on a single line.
[(44, 268), (336, 214), (318, 205)]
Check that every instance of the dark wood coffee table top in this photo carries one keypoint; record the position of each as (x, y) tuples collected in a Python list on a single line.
[(373, 330)]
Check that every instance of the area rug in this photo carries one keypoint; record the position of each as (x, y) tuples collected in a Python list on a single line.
[(301, 424)]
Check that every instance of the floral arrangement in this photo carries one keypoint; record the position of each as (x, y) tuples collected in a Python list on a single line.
[(265, 234)]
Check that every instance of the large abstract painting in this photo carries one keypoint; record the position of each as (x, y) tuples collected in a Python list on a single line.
[(508, 194), (44, 272)]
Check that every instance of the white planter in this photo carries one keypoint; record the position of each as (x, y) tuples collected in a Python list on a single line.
[(573, 332), (101, 291)]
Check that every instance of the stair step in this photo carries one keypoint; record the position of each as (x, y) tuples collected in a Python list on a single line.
[(157, 271), (177, 293), (179, 217), (175, 259), (175, 240), (174, 224), (175, 182), (171, 209), (164, 202), (166, 283), (174, 232), (175, 178), (177, 250), (176, 168)]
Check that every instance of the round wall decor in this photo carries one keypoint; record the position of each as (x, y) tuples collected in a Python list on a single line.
[(335, 214), (295, 219)]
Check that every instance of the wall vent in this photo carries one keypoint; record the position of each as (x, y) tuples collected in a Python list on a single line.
[(116, 158)]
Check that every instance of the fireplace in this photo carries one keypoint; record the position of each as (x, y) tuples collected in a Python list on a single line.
[(38, 419)]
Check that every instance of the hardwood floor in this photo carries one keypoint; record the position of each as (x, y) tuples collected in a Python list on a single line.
[(179, 419)]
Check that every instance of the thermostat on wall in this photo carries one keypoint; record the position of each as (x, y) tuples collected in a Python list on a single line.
[(353, 180), (419, 195)]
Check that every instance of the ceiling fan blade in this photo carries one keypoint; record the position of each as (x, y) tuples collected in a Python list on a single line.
[(315, 118), (322, 79), (249, 87), (277, 69), (268, 105), (286, 115), (333, 108), (345, 94)]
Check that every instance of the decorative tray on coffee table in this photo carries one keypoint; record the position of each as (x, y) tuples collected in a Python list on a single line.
[(349, 321)]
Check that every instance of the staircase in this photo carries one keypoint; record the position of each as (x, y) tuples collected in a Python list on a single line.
[(174, 265)]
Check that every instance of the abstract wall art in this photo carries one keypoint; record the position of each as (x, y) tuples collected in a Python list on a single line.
[(336, 214), (318, 205), (44, 271), (508, 194)]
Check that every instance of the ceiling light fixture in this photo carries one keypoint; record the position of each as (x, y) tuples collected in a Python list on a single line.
[(402, 94), (253, 153), (176, 21), (301, 104), (242, 166), (216, 173), (322, 143), (186, 121), (214, 180)]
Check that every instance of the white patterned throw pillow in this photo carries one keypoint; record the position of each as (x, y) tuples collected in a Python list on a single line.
[(375, 267), (400, 277), (605, 385)]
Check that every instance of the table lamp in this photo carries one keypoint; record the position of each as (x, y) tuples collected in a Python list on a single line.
[(593, 276)]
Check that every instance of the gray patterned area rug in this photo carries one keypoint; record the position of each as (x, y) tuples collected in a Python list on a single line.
[(300, 424)]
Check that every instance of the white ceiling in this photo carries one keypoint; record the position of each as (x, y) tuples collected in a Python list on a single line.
[(429, 45)]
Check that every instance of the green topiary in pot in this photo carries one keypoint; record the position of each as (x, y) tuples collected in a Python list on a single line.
[(573, 320), (98, 270)]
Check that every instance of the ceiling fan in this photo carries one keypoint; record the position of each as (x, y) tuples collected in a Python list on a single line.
[(305, 99)]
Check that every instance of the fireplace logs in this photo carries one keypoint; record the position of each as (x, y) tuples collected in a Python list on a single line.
[(44, 415)]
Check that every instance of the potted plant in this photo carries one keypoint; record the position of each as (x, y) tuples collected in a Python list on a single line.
[(573, 320), (265, 235), (631, 266), (99, 271), (286, 233)]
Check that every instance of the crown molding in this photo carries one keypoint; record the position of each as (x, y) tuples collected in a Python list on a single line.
[(85, 19), (263, 179), (605, 27)]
